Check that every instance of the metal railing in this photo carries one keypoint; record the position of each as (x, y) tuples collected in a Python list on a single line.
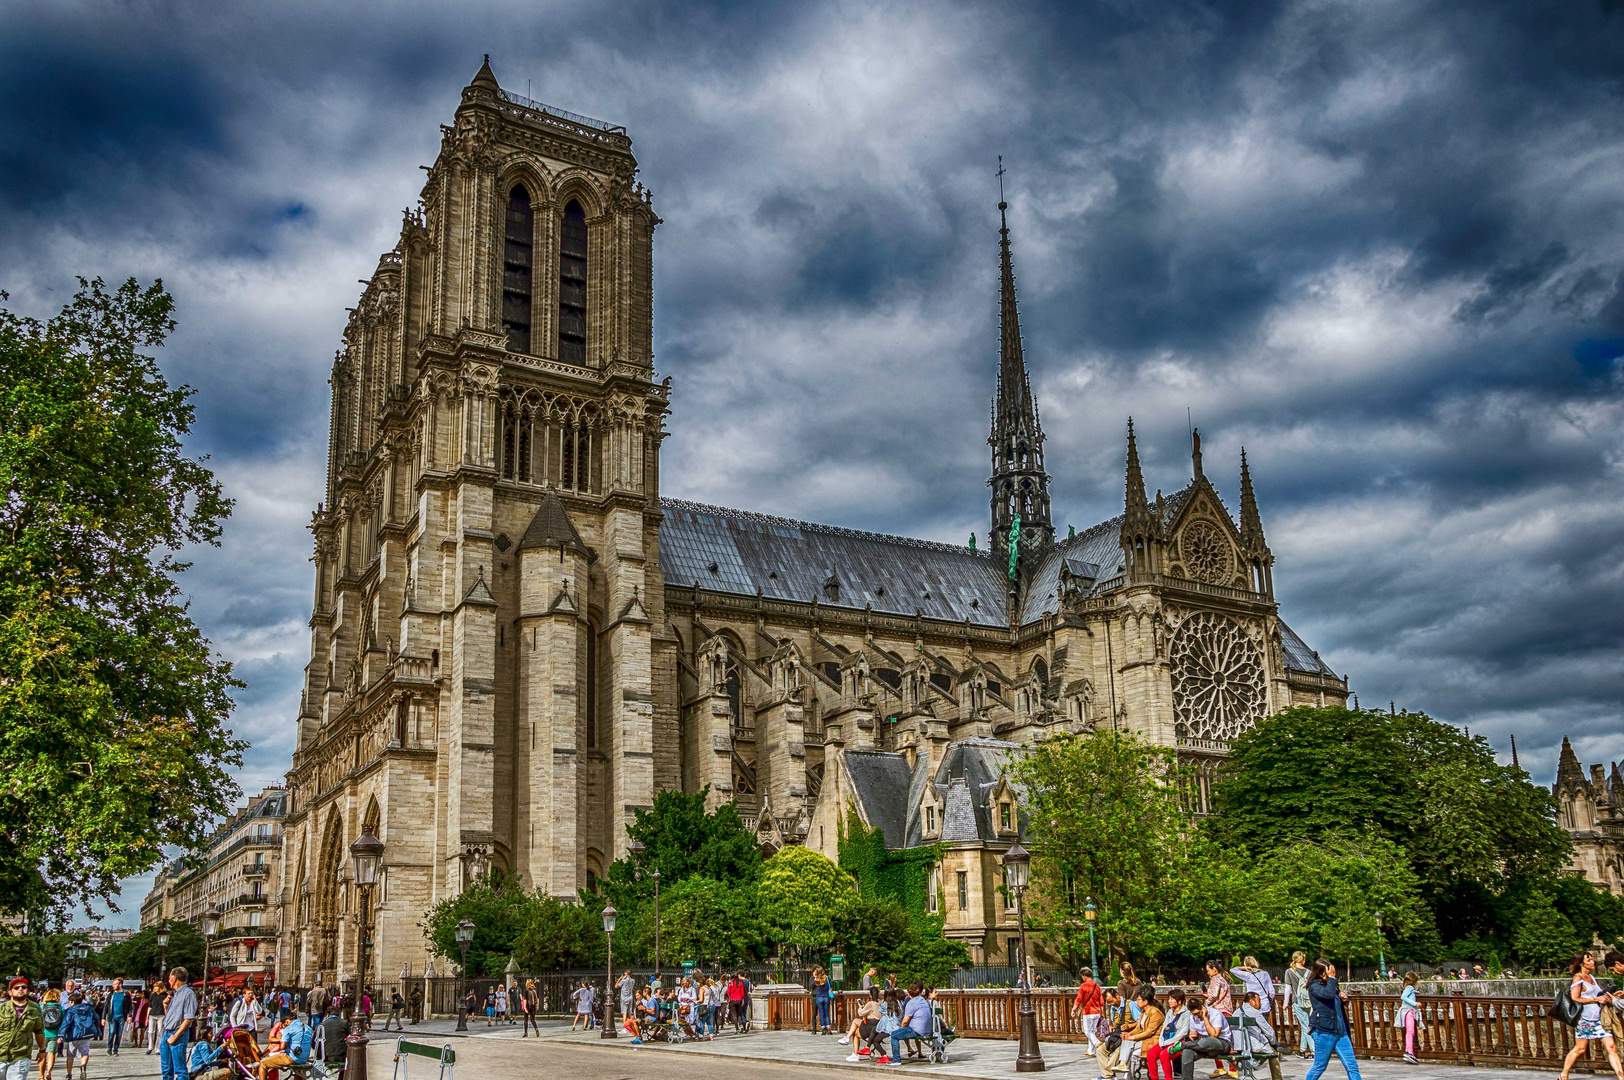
[(562, 114)]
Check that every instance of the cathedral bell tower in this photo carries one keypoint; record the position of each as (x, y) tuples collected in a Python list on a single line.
[(1020, 487)]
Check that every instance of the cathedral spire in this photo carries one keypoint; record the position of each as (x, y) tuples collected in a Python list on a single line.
[(1019, 484), (1515, 764), (485, 77), (1259, 559), (1568, 769), (1251, 522), (1140, 528)]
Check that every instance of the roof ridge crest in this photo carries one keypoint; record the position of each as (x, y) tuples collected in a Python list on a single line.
[(835, 530)]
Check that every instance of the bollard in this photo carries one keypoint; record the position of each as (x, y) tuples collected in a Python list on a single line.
[(355, 1057)]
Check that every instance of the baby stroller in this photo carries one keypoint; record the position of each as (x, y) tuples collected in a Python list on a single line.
[(940, 1034)]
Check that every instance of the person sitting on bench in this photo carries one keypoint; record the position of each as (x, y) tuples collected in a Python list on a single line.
[(1259, 1033), (295, 1049), (1209, 1036)]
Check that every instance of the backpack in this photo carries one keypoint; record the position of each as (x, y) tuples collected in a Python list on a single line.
[(52, 1011)]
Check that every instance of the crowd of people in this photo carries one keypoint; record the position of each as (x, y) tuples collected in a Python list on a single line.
[(192, 1033)]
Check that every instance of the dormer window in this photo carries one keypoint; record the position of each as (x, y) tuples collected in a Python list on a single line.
[(1006, 813), (930, 820)]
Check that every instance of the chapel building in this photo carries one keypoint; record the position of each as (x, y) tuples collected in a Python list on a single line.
[(517, 641), (1591, 809)]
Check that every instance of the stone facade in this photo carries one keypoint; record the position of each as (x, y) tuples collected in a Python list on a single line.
[(516, 641), (239, 871), (1592, 811)]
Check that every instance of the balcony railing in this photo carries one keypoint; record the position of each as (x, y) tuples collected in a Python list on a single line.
[(255, 870), (253, 899)]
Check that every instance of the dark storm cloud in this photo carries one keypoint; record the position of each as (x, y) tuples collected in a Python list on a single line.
[(1377, 244)]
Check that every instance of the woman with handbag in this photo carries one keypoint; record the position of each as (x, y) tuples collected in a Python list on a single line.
[(1586, 992)]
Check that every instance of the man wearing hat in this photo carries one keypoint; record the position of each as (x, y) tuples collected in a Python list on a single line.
[(19, 1018)]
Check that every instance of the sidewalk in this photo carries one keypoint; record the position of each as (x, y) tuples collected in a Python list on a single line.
[(994, 1059)]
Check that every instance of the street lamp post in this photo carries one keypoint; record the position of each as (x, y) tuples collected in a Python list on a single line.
[(1089, 913), (1381, 955), (636, 849), (163, 949), (1016, 865), (465, 938), (77, 953), (211, 926), (609, 914), (365, 856)]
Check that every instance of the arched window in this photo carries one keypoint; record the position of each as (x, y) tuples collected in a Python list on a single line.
[(516, 266), (572, 286), (1041, 670)]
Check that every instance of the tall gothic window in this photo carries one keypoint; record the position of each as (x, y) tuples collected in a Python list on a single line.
[(516, 271), (572, 286)]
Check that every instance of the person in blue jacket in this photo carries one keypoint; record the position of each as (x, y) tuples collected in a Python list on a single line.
[(1328, 1020), (118, 1011), (79, 1026)]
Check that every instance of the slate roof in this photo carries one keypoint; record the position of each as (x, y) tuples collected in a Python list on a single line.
[(792, 560), (881, 781), (552, 527), (890, 793), (1299, 657)]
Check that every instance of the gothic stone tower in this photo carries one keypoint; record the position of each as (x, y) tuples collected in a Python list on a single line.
[(485, 629)]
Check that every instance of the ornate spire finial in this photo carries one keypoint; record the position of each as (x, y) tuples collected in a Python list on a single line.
[(1251, 521), (1020, 487)]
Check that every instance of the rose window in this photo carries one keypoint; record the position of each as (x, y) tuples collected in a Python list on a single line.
[(1206, 552), (1218, 687)]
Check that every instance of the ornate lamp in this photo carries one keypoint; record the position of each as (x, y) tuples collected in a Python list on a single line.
[(1017, 864), (609, 916)]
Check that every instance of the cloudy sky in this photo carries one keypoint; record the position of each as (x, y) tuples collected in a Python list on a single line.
[(1378, 244)]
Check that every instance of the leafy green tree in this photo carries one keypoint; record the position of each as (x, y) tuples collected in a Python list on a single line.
[(1544, 938), (681, 839), (555, 934), (500, 910), (1340, 883), (138, 955), (38, 956), (1104, 817), (112, 703), (881, 931), (802, 895), (1470, 828), (706, 920)]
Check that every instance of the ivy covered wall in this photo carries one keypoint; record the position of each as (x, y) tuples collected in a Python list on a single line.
[(902, 875)]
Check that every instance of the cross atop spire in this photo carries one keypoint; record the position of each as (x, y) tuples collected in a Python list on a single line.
[(1019, 484)]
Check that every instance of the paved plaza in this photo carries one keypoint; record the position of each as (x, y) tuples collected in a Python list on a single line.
[(500, 1052)]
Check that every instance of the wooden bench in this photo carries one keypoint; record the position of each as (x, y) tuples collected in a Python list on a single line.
[(404, 1049)]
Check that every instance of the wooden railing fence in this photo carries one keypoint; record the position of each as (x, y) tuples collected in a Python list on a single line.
[(1457, 1029)]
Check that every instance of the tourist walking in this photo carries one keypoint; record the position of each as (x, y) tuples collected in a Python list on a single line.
[(417, 1002), (318, 1004), (1409, 1017), (78, 1028), (820, 998), (583, 1006), (247, 1012), (1329, 1021), (138, 1016), (501, 1003), (1254, 980), (22, 1030), (51, 1013), (118, 1009), (736, 998), (1584, 990), (1297, 995), (1089, 1004), (627, 987), (157, 1002), (397, 1005), (530, 1002)]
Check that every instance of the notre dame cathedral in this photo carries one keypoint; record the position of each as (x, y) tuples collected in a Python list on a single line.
[(516, 641)]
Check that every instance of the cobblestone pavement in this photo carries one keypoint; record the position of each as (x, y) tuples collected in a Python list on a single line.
[(772, 1055)]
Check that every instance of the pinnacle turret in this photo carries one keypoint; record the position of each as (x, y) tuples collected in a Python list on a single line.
[(1019, 485), (1568, 769), (1140, 528), (1251, 521), (485, 77)]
